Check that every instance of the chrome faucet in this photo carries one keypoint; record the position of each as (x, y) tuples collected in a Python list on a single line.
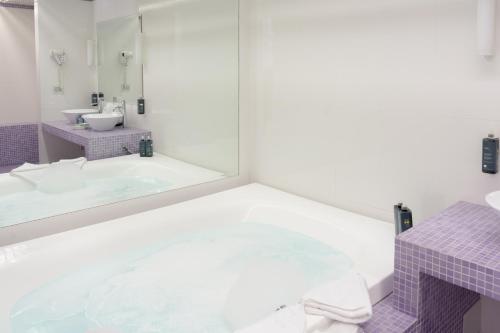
[(100, 104), (120, 105), (126, 151)]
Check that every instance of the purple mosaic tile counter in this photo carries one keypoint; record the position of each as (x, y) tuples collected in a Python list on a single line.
[(98, 145), (442, 266), (18, 144)]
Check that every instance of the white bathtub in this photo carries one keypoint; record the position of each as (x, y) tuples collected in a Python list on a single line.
[(163, 172), (368, 242)]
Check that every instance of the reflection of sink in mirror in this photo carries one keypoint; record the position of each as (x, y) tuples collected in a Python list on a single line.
[(105, 182), (73, 115), (103, 121)]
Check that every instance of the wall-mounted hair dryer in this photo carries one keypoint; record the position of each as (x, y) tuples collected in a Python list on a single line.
[(59, 57), (125, 57)]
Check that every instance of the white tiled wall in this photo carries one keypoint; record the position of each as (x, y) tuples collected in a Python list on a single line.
[(362, 104)]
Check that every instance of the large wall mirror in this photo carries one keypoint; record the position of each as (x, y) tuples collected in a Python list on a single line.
[(136, 97)]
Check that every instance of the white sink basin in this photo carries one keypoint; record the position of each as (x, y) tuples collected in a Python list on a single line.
[(493, 199), (103, 121), (73, 115)]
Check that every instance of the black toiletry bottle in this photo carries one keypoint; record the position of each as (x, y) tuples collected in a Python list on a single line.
[(95, 99), (403, 218), (141, 106), (149, 147), (490, 154), (142, 147)]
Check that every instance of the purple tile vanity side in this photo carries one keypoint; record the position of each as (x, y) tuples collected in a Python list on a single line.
[(422, 290), (18, 144), (442, 266), (442, 305), (70, 136), (101, 148)]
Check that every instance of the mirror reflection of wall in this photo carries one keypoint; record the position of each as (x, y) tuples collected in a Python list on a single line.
[(181, 57), (63, 25), (119, 58), (191, 79), (19, 114)]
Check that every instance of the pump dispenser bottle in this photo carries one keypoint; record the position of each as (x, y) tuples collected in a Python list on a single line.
[(149, 147), (142, 147)]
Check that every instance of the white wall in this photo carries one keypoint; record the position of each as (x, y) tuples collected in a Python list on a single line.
[(111, 9), (63, 24), (18, 90), (362, 104)]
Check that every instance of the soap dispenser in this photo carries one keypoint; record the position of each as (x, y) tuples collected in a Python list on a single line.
[(142, 147), (403, 218), (149, 147)]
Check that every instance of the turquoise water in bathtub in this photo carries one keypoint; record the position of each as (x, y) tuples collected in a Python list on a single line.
[(27, 206), (177, 286)]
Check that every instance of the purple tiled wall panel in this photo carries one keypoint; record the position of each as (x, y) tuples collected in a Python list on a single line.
[(18, 144)]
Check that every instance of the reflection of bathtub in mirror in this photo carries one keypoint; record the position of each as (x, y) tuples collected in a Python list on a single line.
[(105, 182), (175, 68)]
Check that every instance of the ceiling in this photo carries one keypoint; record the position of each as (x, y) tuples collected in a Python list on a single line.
[(18, 2)]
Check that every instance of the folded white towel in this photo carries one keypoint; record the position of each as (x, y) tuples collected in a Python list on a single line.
[(345, 300), (288, 320), (34, 173), (293, 320), (326, 325)]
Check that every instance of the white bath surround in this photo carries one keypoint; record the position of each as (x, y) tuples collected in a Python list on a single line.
[(367, 242)]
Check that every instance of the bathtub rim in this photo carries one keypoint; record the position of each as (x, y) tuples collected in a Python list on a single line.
[(19, 257)]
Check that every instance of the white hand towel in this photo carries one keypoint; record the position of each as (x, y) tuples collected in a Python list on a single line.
[(34, 173), (345, 300), (79, 162), (288, 320)]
